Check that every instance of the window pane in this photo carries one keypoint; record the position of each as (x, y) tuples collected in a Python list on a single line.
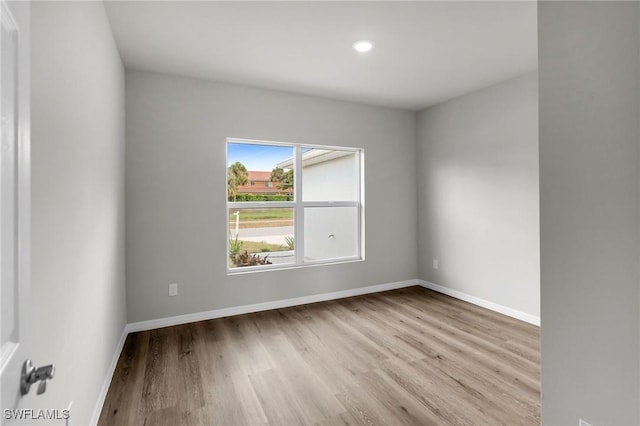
[(257, 236), (259, 172), (330, 232), (329, 175)]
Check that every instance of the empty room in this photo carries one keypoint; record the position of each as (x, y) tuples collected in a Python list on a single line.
[(320, 213)]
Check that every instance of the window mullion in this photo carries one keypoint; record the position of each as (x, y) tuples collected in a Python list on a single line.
[(298, 216), (299, 209), (330, 204)]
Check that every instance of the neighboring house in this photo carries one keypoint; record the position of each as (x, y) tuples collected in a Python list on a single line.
[(260, 183), (329, 175)]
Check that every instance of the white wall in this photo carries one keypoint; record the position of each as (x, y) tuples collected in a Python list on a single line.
[(330, 232), (78, 288), (589, 54), (478, 194), (332, 180), (176, 186)]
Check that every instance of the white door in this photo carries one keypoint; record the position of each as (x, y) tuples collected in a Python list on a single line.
[(14, 200)]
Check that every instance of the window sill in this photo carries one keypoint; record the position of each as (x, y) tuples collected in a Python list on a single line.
[(268, 268)]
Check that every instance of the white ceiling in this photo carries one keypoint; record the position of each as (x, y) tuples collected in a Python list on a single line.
[(425, 52)]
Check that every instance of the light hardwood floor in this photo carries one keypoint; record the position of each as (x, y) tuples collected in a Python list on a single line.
[(403, 357)]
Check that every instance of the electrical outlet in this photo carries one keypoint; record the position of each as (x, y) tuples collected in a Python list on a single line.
[(173, 289), (435, 263), (583, 423)]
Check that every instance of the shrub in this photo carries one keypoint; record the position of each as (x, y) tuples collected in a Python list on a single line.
[(289, 242), (246, 259), (263, 197), (235, 247)]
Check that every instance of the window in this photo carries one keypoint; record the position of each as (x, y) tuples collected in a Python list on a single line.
[(309, 210)]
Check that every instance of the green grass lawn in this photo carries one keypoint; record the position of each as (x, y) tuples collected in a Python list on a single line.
[(261, 214), (257, 247)]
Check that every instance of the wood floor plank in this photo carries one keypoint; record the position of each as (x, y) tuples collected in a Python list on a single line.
[(502, 333), (342, 419), (403, 357), (160, 374), (427, 390), (244, 350), (320, 355), (302, 382), (189, 384), (444, 331), (229, 396), (120, 408)]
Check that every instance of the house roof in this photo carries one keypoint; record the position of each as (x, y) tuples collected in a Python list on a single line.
[(260, 176)]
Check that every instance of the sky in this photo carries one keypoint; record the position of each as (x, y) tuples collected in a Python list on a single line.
[(257, 157)]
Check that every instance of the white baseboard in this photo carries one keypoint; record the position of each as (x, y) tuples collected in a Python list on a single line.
[(258, 307), (522, 316), (107, 381)]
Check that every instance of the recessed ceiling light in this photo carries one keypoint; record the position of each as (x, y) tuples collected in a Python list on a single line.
[(362, 46)]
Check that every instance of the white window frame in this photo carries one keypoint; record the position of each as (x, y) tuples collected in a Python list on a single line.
[(298, 206)]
